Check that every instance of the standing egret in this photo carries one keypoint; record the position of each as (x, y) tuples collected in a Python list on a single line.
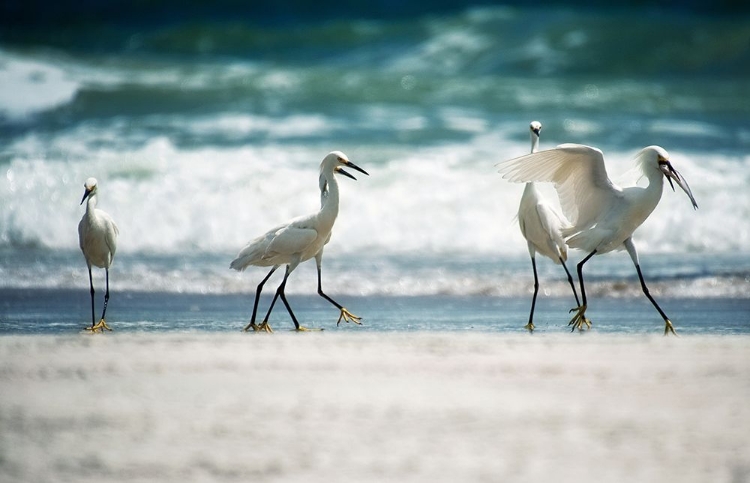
[(97, 237), (542, 227), (604, 216), (298, 240)]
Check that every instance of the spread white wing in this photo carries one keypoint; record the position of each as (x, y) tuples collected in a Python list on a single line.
[(578, 174)]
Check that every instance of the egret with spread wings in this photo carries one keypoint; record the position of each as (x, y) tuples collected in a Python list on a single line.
[(603, 215)]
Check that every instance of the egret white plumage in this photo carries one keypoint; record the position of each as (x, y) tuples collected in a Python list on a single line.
[(603, 215), (97, 237), (542, 227), (298, 240)]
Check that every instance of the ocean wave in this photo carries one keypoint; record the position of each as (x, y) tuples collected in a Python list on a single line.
[(29, 86), (440, 199)]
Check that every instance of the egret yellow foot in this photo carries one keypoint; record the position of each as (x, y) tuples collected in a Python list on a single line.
[(263, 327), (530, 327), (668, 327), (579, 319), (347, 317), (101, 325)]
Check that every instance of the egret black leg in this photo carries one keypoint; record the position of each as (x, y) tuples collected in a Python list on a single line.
[(570, 281), (580, 275), (280, 293), (106, 293), (286, 303), (101, 325), (668, 324), (579, 319), (257, 299), (530, 326), (630, 247), (92, 291), (320, 292), (264, 325), (345, 314), (645, 291)]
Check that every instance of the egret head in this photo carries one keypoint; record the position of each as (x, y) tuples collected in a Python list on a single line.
[(90, 186), (659, 156), (335, 161), (536, 128)]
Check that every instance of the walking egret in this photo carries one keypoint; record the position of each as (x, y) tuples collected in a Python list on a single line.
[(298, 240), (603, 215), (97, 237), (542, 227)]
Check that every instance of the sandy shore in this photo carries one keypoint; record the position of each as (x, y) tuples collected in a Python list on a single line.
[(374, 407)]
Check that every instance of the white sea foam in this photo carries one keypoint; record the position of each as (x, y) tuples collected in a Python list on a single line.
[(434, 220), (28, 86), (445, 198)]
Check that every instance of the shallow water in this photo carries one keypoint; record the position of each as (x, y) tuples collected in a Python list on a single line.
[(68, 312)]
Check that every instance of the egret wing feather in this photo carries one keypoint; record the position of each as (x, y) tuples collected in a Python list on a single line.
[(552, 225), (290, 240), (578, 174), (81, 233), (253, 252), (111, 233), (541, 225)]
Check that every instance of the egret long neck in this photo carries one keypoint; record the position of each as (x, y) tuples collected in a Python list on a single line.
[(91, 208), (655, 186), (643, 201), (534, 143), (534, 148), (329, 209)]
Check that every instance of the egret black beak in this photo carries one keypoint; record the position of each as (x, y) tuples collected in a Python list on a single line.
[(349, 164), (86, 195), (673, 174)]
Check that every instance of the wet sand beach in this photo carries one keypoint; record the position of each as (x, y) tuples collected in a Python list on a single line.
[(374, 407)]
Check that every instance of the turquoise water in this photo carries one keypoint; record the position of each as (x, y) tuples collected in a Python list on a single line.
[(45, 311)]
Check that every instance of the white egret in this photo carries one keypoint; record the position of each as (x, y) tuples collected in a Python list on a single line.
[(603, 215), (542, 227), (298, 240), (97, 237)]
